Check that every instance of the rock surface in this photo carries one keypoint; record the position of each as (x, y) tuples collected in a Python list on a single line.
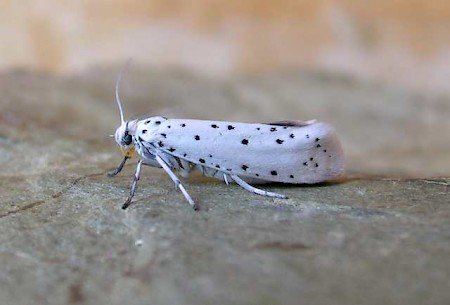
[(378, 235)]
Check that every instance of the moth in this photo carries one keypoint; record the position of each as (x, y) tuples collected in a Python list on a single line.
[(292, 152)]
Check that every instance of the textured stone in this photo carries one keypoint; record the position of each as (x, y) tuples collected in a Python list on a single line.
[(379, 235)]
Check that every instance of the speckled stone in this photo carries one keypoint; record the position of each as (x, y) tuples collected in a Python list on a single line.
[(378, 235)]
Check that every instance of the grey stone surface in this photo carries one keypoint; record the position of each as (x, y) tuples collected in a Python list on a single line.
[(378, 235)]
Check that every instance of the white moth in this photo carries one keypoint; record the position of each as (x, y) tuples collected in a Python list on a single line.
[(289, 151)]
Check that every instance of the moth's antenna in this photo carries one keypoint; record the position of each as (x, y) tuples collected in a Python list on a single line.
[(119, 79)]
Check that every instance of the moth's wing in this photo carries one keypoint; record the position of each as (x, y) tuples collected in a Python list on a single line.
[(308, 153), (292, 123)]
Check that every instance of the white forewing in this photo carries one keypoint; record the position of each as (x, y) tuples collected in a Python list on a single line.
[(291, 152)]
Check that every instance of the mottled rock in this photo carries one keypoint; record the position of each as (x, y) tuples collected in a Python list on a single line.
[(378, 235)]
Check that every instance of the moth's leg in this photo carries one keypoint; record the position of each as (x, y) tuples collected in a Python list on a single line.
[(225, 178), (119, 168), (255, 190), (177, 182), (137, 174)]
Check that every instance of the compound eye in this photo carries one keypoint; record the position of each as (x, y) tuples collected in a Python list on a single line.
[(127, 139)]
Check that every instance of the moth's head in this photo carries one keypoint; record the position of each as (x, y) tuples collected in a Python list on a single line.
[(124, 137)]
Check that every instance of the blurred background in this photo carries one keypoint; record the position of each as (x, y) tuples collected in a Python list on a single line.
[(378, 71), (406, 42)]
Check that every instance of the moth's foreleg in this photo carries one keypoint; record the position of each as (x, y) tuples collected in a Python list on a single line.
[(255, 190), (119, 168), (136, 176), (177, 182)]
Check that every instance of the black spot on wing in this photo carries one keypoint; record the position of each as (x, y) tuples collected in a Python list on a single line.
[(279, 141), (214, 126), (164, 135), (144, 131), (274, 173), (245, 142), (230, 127), (183, 125), (197, 137), (318, 145), (273, 129), (157, 122), (160, 144), (244, 167), (171, 149), (291, 176), (201, 160)]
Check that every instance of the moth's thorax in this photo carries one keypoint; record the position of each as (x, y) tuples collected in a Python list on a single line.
[(143, 136), (148, 126)]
